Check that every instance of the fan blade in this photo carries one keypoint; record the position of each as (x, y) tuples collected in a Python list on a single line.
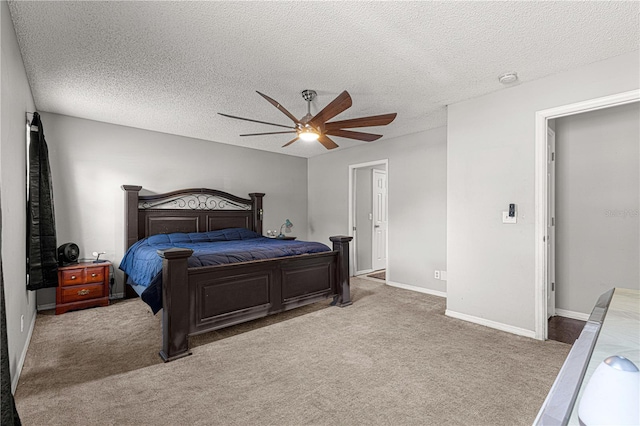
[(290, 142), (374, 120), (268, 133), (335, 107), (256, 121), (361, 136), (280, 107), (328, 143)]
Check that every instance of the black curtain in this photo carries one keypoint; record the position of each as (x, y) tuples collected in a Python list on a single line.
[(42, 265), (8, 414)]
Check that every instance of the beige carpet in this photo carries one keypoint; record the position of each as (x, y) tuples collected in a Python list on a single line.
[(392, 358)]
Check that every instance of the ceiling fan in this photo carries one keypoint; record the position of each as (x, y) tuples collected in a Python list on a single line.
[(312, 128)]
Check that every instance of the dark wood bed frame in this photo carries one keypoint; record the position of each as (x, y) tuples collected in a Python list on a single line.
[(197, 300)]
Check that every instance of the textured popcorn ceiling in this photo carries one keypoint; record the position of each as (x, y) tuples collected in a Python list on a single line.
[(171, 66)]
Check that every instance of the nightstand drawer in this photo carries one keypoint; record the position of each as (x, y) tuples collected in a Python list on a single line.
[(72, 276), (81, 292), (82, 276), (94, 275)]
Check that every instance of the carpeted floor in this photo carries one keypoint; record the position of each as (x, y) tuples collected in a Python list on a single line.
[(390, 358)]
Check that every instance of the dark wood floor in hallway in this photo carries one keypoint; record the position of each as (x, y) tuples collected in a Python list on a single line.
[(380, 275), (565, 330)]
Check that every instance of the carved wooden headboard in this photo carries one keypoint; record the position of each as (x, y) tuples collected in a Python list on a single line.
[(188, 210)]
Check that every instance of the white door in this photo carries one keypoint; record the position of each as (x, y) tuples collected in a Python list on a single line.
[(551, 223), (379, 219)]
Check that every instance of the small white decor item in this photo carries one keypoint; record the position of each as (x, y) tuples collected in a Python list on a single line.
[(612, 396)]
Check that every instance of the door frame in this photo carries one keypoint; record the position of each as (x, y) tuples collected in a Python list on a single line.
[(352, 193), (551, 204), (541, 192)]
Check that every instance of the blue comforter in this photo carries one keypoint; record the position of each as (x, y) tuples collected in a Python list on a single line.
[(144, 267)]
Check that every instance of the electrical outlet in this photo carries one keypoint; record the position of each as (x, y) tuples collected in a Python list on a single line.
[(21, 323), (436, 275)]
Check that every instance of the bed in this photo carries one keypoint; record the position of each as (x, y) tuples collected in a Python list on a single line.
[(197, 297)]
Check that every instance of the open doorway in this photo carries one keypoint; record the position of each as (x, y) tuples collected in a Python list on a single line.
[(595, 228), (547, 274), (368, 219)]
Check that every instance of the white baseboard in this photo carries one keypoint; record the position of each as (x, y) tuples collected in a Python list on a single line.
[(571, 314), (46, 306), (418, 289), (23, 356), (492, 324), (116, 296)]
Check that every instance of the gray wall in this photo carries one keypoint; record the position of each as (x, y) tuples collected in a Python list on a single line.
[(416, 179), (16, 101), (490, 163), (597, 203), (90, 160)]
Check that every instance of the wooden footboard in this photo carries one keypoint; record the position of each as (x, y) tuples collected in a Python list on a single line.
[(225, 295)]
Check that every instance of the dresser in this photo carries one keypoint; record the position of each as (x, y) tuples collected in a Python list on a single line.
[(82, 285)]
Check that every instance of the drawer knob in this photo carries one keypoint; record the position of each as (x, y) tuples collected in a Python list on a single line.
[(83, 292), (94, 275), (73, 277)]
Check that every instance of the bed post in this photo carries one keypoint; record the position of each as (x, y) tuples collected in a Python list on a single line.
[(256, 202), (341, 245), (131, 227), (131, 214), (175, 303)]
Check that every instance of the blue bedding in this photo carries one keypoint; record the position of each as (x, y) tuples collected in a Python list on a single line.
[(144, 267)]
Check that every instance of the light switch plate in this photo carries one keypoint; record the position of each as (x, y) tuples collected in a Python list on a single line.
[(507, 219)]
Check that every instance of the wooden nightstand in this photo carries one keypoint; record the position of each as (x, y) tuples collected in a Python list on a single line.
[(82, 285)]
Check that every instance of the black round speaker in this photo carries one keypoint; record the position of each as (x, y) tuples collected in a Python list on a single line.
[(68, 254)]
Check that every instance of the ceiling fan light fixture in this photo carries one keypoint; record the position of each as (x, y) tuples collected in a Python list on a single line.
[(308, 135)]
